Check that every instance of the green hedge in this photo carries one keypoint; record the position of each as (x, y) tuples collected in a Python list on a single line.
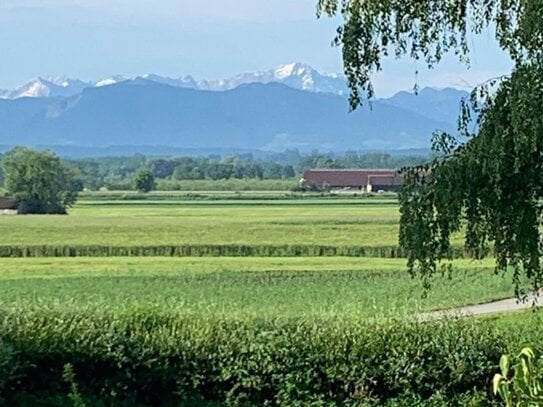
[(230, 250), (158, 359)]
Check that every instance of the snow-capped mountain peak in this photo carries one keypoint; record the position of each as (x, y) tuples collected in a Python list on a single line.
[(62, 81), (112, 80), (49, 86), (35, 89), (294, 69), (181, 82), (305, 77), (296, 75)]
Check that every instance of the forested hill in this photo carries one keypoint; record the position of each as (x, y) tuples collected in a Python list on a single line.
[(255, 116)]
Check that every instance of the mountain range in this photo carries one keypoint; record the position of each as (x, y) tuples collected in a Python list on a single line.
[(297, 75), (292, 106)]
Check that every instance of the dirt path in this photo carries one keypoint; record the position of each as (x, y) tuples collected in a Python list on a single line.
[(494, 307)]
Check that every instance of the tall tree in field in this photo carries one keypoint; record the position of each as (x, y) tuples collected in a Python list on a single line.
[(145, 181), (39, 180), (491, 184)]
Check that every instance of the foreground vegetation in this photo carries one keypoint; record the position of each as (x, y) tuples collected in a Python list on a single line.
[(160, 358), (306, 330), (247, 331)]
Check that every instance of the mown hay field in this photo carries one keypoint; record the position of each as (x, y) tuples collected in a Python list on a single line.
[(347, 222)]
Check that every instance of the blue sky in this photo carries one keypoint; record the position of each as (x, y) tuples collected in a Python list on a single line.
[(209, 39)]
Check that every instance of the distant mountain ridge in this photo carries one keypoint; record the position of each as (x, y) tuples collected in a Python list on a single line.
[(47, 87), (296, 75), (440, 104), (264, 116)]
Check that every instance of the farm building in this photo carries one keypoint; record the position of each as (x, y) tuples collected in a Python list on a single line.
[(363, 180), (8, 206)]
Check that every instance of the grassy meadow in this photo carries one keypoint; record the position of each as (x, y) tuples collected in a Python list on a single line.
[(260, 287), (262, 327), (249, 283), (338, 222)]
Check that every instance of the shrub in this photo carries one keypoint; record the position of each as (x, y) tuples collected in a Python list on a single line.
[(39, 181), (8, 367), (155, 358)]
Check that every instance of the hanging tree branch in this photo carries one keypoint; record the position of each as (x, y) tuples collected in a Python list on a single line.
[(492, 185), (427, 30)]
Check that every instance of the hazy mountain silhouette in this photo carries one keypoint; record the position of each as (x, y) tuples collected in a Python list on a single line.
[(255, 116)]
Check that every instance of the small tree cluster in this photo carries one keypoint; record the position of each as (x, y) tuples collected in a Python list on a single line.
[(145, 181), (39, 181)]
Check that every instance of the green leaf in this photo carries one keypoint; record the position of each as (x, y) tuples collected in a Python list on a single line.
[(504, 365), (528, 353), (496, 383)]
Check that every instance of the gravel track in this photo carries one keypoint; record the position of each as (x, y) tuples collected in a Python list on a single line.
[(494, 307)]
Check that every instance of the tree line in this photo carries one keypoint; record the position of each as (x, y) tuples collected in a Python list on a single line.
[(45, 183), (122, 172)]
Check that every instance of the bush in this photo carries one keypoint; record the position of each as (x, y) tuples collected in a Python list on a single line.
[(154, 358), (8, 368)]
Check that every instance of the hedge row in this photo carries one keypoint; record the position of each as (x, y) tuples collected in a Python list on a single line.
[(162, 359), (231, 250)]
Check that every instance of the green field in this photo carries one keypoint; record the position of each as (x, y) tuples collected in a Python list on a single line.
[(285, 287), (347, 222), (201, 329), (245, 284)]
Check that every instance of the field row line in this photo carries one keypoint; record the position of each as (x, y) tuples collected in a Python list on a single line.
[(217, 250)]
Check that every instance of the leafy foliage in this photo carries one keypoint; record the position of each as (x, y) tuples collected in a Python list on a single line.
[(520, 385), (238, 187), (145, 181), (166, 358), (489, 185), (40, 181), (68, 375), (427, 30), (1, 171)]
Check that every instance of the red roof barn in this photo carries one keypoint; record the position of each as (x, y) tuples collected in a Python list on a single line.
[(363, 179)]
